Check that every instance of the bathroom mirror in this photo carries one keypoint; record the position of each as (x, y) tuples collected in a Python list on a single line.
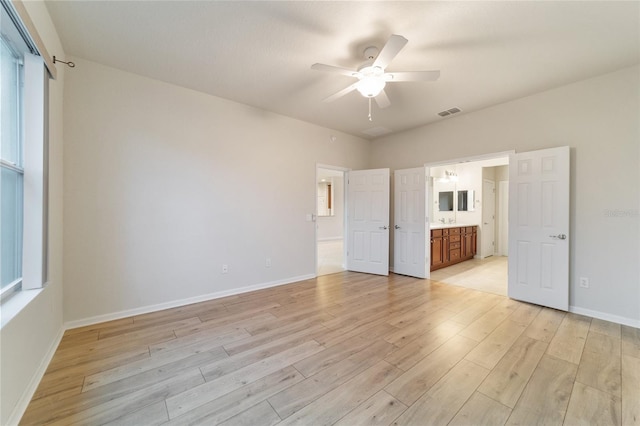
[(466, 201), (325, 199), (445, 201)]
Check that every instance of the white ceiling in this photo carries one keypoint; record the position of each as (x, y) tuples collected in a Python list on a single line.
[(260, 53)]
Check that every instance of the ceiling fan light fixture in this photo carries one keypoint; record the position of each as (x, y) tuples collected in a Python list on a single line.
[(370, 86), (371, 76)]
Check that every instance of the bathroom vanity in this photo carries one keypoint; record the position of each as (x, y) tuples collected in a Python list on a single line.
[(452, 244)]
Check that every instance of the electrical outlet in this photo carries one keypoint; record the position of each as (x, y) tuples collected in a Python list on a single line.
[(225, 268), (584, 282), (267, 262)]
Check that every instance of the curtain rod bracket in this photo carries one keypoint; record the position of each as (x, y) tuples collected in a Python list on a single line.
[(69, 64)]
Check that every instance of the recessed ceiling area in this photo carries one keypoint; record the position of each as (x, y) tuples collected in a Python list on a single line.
[(260, 53)]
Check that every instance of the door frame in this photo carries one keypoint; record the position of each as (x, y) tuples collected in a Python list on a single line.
[(344, 171), (484, 255), (503, 217), (470, 158)]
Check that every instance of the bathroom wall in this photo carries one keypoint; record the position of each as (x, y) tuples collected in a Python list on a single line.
[(470, 176)]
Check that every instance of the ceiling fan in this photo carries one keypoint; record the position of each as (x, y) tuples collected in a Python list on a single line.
[(371, 75)]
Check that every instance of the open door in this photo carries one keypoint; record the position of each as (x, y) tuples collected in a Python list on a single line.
[(539, 227), (411, 223), (368, 221)]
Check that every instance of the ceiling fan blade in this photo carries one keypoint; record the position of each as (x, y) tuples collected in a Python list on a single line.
[(412, 76), (335, 70), (390, 50), (341, 93), (382, 100)]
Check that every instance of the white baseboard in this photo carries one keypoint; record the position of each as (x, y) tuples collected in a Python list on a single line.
[(604, 316), (330, 239), (181, 302), (30, 390)]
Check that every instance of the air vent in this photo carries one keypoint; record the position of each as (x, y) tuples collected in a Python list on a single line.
[(449, 111)]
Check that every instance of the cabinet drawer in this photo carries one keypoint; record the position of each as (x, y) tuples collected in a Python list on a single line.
[(469, 229), (454, 238), (453, 246), (436, 232), (454, 231), (454, 254)]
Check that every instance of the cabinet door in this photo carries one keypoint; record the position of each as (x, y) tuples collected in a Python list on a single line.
[(474, 241), (437, 251), (468, 245), (445, 249)]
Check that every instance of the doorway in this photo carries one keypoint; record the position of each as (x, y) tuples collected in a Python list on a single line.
[(330, 214), (485, 207), (537, 270)]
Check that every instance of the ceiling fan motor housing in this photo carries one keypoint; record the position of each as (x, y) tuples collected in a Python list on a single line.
[(371, 52)]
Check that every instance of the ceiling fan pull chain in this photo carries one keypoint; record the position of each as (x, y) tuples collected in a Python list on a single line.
[(370, 110)]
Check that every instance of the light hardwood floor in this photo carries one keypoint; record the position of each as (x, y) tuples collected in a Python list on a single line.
[(346, 349)]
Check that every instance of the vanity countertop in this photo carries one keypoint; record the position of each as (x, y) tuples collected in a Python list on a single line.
[(439, 225)]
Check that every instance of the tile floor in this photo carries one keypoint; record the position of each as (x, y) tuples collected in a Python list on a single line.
[(330, 257), (488, 275)]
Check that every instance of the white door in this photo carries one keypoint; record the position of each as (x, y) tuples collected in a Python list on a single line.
[(539, 227), (488, 233), (410, 224), (368, 221)]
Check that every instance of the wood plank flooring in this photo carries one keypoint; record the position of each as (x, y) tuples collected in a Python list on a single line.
[(346, 349)]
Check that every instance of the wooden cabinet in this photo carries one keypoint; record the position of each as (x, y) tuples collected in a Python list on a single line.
[(453, 245), (437, 248), (470, 242)]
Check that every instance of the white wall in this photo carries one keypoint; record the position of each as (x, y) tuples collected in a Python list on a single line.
[(598, 119), (163, 185), (470, 178), (30, 338)]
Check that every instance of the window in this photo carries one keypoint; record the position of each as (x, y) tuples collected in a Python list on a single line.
[(22, 154)]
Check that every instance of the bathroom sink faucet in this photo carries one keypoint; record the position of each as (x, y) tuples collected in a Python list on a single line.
[(452, 220), (441, 220)]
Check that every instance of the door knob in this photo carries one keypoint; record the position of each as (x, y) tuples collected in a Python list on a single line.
[(397, 227), (384, 227), (559, 236)]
